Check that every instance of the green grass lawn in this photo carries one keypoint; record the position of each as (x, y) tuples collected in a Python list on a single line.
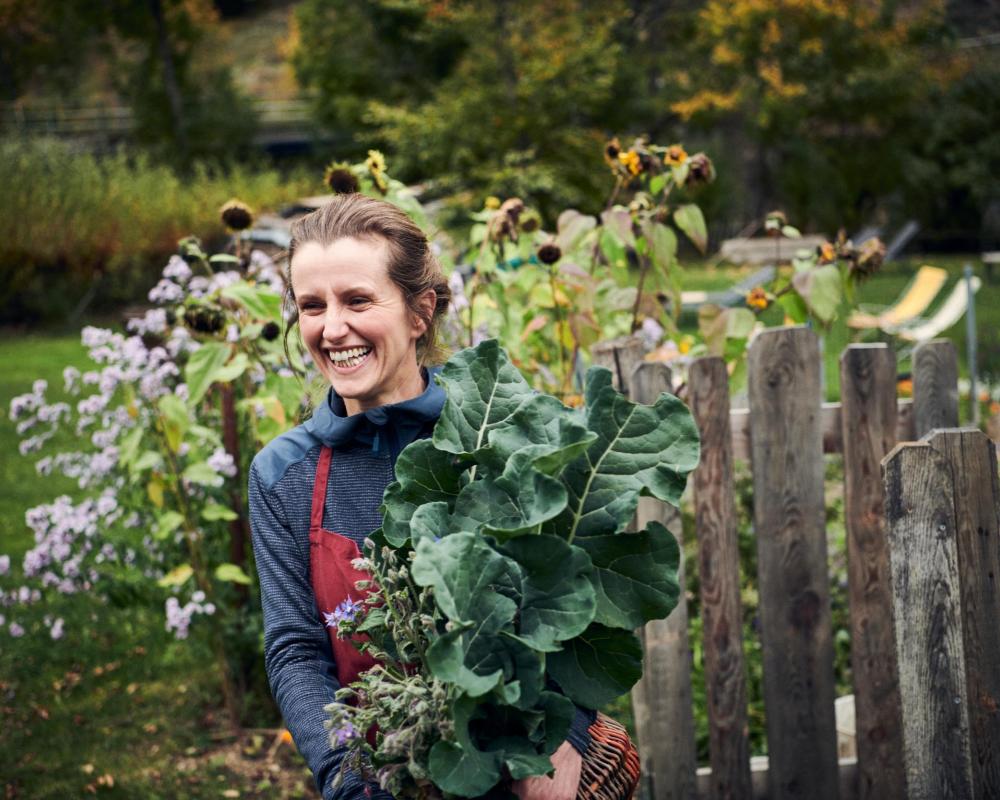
[(116, 706), (118, 697)]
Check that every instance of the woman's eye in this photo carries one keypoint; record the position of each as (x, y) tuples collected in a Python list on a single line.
[(359, 301)]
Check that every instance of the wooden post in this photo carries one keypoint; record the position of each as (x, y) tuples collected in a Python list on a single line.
[(661, 701), (719, 578), (935, 385), (920, 511), (789, 518), (973, 460), (868, 393), (621, 356)]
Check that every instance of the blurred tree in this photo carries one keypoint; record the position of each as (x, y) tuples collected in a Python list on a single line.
[(504, 98), (41, 42), (185, 107), (952, 173), (827, 89)]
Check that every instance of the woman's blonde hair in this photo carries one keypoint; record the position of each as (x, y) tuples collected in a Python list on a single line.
[(412, 266)]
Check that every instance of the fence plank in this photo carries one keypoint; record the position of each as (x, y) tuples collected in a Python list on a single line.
[(621, 356), (973, 460), (830, 423), (920, 513), (935, 386), (719, 578), (661, 701), (789, 513), (868, 393)]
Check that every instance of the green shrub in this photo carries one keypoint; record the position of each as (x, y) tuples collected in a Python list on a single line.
[(68, 219)]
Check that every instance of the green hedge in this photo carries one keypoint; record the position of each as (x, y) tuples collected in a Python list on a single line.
[(69, 218)]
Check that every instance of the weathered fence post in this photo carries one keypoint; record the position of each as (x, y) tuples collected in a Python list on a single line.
[(661, 701), (869, 424), (789, 514), (973, 460), (621, 356), (719, 578), (920, 512), (935, 385)]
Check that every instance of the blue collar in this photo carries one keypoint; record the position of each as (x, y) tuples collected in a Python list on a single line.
[(389, 427)]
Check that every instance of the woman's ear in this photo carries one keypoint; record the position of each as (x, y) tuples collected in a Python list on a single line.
[(425, 305)]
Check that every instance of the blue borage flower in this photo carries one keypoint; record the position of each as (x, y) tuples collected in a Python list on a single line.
[(345, 612)]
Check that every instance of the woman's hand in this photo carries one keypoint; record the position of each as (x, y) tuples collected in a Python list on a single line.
[(562, 785)]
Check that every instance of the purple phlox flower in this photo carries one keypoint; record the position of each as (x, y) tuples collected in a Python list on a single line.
[(345, 612), (166, 291), (16, 630), (177, 269), (56, 631), (345, 733), (222, 462), (457, 285), (153, 321), (4, 565)]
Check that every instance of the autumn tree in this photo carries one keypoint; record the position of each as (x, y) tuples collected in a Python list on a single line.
[(827, 90)]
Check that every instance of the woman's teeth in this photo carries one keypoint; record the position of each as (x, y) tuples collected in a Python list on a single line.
[(349, 358)]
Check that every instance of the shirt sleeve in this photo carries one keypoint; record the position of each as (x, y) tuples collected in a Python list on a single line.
[(579, 729), (297, 654)]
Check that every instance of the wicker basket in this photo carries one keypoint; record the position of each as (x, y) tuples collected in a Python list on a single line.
[(611, 766)]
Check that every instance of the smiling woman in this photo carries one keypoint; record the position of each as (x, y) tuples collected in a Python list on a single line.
[(367, 294)]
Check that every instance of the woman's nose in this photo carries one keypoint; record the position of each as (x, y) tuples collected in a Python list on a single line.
[(334, 323)]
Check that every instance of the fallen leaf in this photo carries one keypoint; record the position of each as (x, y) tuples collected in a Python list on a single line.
[(87, 769)]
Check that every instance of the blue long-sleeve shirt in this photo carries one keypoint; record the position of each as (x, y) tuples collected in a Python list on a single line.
[(297, 653)]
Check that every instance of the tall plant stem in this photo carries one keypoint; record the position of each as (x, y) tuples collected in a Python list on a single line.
[(559, 323), (239, 530), (230, 694), (643, 269)]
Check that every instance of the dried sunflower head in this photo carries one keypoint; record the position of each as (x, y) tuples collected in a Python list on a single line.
[(611, 151), (340, 179), (870, 257), (675, 156), (631, 161), (827, 253), (774, 222), (376, 166), (236, 216), (549, 253), (701, 170), (757, 299)]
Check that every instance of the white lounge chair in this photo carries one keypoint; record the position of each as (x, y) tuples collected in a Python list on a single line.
[(950, 312)]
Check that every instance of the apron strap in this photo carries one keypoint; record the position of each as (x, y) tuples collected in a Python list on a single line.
[(319, 489)]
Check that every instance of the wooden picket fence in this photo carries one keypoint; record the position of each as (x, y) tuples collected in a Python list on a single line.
[(922, 512)]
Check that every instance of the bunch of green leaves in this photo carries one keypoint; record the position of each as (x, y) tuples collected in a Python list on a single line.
[(516, 515)]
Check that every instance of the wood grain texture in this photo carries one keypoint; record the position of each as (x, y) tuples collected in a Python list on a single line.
[(973, 462), (920, 513), (830, 422), (868, 395), (662, 701), (621, 356), (719, 579), (935, 386), (789, 516)]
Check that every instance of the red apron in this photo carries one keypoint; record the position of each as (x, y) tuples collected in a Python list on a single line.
[(333, 577)]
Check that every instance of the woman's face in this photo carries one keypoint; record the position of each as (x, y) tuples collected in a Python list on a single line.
[(355, 322)]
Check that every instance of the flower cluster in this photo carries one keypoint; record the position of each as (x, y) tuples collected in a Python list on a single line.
[(179, 617)]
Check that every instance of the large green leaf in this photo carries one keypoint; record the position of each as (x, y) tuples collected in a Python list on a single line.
[(634, 574), (557, 433), (424, 475), (690, 220), (662, 243), (460, 767), (822, 290), (559, 600), (484, 389), (465, 573), (515, 503), (202, 367), (639, 450), (260, 300), (572, 227), (597, 666)]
